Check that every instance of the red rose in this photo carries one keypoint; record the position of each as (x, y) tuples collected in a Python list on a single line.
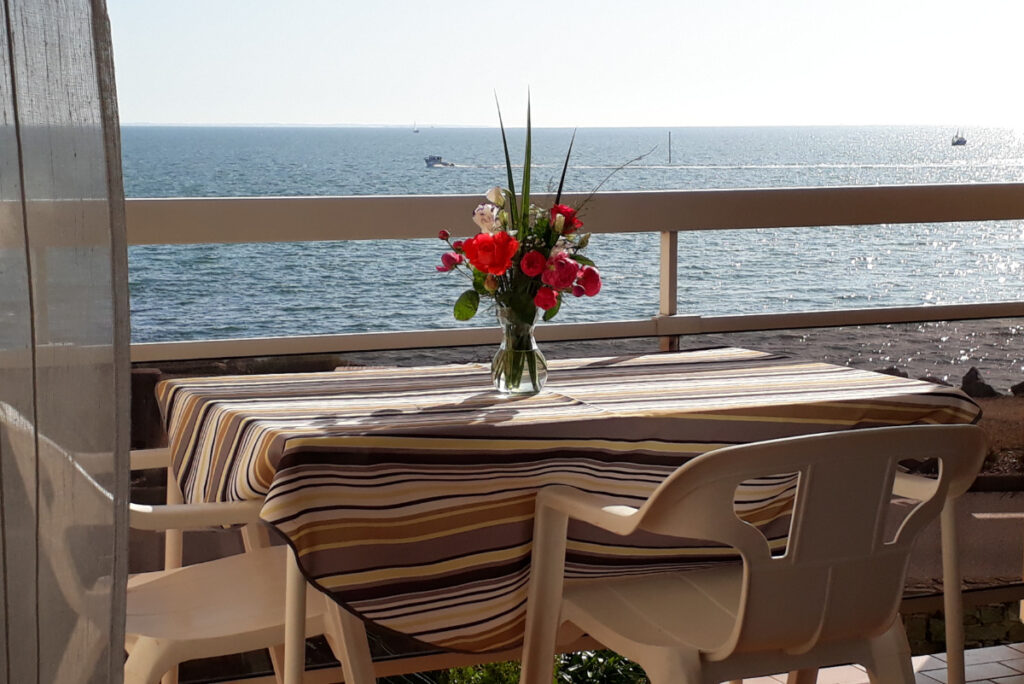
[(590, 279), (444, 234), (533, 263), (572, 224), (491, 253), (560, 272), (545, 298)]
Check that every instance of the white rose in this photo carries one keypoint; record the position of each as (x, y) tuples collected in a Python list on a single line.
[(559, 223), (496, 196), (486, 216)]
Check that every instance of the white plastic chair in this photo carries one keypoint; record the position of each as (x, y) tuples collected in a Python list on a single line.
[(832, 598), (228, 605)]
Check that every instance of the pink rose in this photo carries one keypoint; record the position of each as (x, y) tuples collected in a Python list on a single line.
[(560, 271), (532, 263), (449, 260), (578, 291), (457, 245), (590, 279), (545, 298)]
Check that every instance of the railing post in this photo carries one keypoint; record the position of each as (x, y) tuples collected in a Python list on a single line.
[(669, 284)]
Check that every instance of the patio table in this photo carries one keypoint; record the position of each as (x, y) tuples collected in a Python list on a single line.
[(407, 493)]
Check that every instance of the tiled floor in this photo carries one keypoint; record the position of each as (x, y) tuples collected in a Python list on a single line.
[(996, 664)]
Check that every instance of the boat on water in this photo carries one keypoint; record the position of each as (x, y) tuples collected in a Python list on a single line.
[(435, 161), (959, 139)]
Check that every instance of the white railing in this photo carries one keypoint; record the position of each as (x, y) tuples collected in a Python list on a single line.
[(291, 219)]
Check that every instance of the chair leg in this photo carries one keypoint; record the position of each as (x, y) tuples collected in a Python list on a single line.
[(544, 596), (173, 547), (346, 635), (82, 650), (276, 662), (294, 622), (669, 665), (951, 596), (149, 659), (806, 676), (890, 657)]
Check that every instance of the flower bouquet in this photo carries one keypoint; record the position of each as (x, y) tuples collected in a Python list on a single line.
[(526, 259)]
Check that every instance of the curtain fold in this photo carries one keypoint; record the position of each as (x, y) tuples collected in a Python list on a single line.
[(63, 348)]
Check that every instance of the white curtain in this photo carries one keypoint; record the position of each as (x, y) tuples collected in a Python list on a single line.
[(63, 348)]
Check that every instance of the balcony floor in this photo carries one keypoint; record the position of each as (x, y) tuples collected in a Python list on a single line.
[(994, 664)]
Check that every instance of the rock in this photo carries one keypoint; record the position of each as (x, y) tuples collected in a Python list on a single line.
[(937, 381), (1018, 389), (975, 387), (893, 370)]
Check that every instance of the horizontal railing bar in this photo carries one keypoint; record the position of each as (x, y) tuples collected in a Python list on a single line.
[(658, 326), (696, 325), (296, 219)]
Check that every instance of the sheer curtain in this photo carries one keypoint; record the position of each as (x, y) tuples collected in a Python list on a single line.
[(63, 348)]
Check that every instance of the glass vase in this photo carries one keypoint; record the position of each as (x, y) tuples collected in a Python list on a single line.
[(519, 366)]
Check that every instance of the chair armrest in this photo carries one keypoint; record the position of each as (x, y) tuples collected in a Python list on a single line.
[(193, 516), (142, 459), (589, 508)]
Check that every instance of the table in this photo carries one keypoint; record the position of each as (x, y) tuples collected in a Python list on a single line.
[(407, 493)]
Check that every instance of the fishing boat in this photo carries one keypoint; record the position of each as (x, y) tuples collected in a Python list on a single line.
[(959, 139), (435, 161)]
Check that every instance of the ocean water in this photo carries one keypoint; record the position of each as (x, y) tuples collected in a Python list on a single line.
[(189, 292)]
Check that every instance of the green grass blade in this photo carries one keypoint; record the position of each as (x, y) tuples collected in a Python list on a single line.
[(561, 183), (526, 164), (508, 166)]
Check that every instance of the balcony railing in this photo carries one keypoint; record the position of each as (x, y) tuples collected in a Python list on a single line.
[(291, 219)]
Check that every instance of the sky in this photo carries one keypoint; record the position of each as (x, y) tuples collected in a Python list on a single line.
[(668, 63)]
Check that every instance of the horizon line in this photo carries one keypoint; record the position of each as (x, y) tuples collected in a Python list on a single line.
[(495, 127)]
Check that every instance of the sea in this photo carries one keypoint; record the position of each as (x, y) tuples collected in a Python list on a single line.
[(194, 292)]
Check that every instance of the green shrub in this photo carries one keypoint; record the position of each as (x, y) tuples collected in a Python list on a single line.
[(584, 667)]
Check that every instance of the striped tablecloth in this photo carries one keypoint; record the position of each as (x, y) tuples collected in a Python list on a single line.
[(408, 492)]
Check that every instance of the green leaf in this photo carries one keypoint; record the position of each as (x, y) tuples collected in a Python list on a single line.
[(466, 305), (553, 311), (512, 209), (580, 259), (561, 183), (526, 164), (478, 281)]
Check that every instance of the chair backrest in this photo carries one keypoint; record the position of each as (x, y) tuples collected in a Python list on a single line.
[(842, 572)]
